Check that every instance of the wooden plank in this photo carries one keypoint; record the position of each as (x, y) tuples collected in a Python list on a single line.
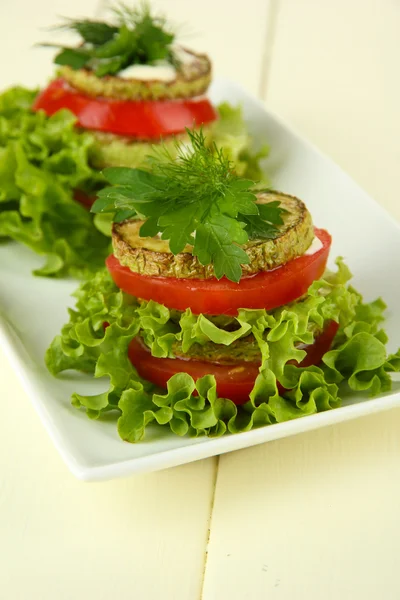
[(140, 537), (334, 76), (316, 516), (24, 24), (309, 517)]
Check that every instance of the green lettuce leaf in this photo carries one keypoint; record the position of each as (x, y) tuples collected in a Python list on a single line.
[(230, 132), (42, 160), (282, 391)]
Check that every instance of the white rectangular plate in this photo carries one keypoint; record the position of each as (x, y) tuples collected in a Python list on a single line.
[(32, 311)]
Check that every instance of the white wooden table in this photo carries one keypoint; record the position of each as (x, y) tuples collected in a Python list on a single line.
[(310, 517)]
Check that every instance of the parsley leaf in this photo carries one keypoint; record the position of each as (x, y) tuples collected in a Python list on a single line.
[(213, 244), (93, 32), (75, 58), (136, 37), (263, 226), (195, 199)]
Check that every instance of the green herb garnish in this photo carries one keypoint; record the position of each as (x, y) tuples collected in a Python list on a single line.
[(195, 199), (135, 37)]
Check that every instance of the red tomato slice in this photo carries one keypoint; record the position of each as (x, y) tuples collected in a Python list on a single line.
[(141, 119), (84, 199), (268, 289), (234, 381)]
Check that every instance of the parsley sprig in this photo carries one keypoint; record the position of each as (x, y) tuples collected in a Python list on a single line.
[(194, 199), (135, 37)]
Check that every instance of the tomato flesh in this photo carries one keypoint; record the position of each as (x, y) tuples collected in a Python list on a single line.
[(147, 120), (268, 289), (233, 381), (84, 199)]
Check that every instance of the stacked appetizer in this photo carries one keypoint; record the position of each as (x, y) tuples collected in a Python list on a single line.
[(123, 88), (216, 312), (130, 86)]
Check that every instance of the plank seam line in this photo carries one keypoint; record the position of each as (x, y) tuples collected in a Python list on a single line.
[(269, 43), (209, 526)]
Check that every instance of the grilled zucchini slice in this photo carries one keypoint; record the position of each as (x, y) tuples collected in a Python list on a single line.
[(152, 257)]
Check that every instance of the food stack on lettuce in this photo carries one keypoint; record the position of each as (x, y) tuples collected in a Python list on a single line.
[(126, 85), (216, 312)]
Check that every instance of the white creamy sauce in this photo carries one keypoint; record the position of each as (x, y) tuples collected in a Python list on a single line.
[(159, 234), (316, 245), (160, 71)]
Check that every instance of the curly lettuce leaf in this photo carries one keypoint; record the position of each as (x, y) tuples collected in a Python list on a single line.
[(85, 338), (42, 160), (282, 391)]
